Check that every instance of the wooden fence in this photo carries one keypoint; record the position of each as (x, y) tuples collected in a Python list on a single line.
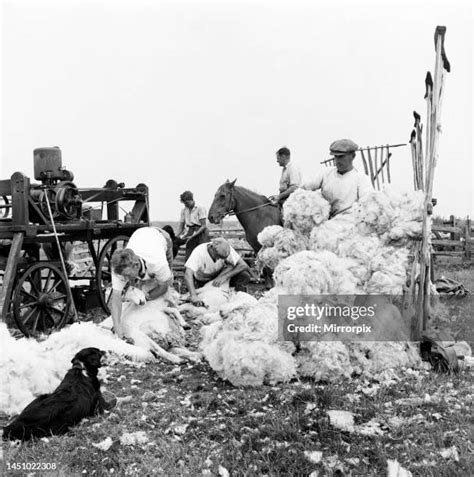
[(452, 237)]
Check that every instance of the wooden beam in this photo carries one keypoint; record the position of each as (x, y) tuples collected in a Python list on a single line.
[(9, 276)]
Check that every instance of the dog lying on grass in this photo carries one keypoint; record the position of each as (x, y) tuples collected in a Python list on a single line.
[(78, 396)]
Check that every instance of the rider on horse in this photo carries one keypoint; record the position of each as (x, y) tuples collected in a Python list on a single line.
[(290, 177)]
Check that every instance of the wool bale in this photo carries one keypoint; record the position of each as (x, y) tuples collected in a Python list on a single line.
[(315, 273), (394, 216), (389, 271), (303, 210), (330, 234), (255, 363), (324, 361), (267, 236), (371, 358), (287, 242)]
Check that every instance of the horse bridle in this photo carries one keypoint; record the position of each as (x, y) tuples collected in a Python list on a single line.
[(232, 203)]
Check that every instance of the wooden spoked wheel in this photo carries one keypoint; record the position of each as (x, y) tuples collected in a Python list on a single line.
[(5, 207), (41, 302), (104, 270)]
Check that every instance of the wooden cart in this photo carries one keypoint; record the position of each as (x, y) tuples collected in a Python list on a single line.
[(41, 223)]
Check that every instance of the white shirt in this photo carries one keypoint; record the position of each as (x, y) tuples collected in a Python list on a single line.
[(150, 245), (290, 175), (202, 265), (192, 217), (341, 190)]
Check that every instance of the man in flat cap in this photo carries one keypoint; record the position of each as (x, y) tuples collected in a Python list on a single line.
[(342, 185), (290, 178), (218, 262), (192, 229)]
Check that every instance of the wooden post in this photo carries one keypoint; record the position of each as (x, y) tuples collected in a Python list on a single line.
[(382, 161), (434, 96), (364, 162), (10, 272), (371, 168), (414, 159), (389, 155), (452, 221), (467, 238), (20, 192)]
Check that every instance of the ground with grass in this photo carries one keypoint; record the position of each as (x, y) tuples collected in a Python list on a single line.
[(192, 423)]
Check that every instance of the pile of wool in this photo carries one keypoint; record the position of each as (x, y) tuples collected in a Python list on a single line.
[(238, 303), (369, 359), (243, 347), (215, 299), (26, 372), (333, 361), (305, 209), (267, 236), (332, 233), (359, 250), (315, 273), (30, 368), (285, 242), (388, 271), (392, 215), (324, 361)]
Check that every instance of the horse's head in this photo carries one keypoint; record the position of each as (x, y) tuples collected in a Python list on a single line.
[(223, 202)]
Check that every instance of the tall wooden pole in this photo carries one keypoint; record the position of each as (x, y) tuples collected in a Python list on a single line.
[(434, 96)]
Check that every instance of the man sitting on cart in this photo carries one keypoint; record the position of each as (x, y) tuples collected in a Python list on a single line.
[(145, 261)]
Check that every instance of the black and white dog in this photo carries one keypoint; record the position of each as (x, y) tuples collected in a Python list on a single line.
[(78, 396)]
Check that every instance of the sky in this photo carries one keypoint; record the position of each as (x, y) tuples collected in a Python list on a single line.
[(186, 94)]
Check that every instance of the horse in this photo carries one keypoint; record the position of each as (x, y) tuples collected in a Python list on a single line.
[(253, 211)]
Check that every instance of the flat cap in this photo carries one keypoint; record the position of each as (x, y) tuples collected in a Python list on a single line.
[(342, 146)]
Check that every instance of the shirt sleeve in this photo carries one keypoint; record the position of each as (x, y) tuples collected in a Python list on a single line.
[(365, 187), (294, 177), (193, 262), (233, 257), (181, 217), (201, 212), (118, 283)]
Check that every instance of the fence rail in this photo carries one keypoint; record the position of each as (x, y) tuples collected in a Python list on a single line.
[(453, 237)]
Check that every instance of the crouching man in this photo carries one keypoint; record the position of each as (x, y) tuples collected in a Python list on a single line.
[(215, 262), (145, 264)]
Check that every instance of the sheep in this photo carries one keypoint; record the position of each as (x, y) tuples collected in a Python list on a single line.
[(155, 325)]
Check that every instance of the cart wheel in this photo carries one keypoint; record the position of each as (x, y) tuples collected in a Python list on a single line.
[(5, 206), (41, 303), (104, 272)]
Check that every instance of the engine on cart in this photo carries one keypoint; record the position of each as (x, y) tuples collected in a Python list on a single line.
[(56, 194)]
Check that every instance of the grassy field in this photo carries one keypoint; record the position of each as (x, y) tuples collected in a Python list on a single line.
[(193, 423)]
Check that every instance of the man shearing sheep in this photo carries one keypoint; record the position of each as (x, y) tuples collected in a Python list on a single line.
[(218, 262), (146, 261), (342, 185)]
